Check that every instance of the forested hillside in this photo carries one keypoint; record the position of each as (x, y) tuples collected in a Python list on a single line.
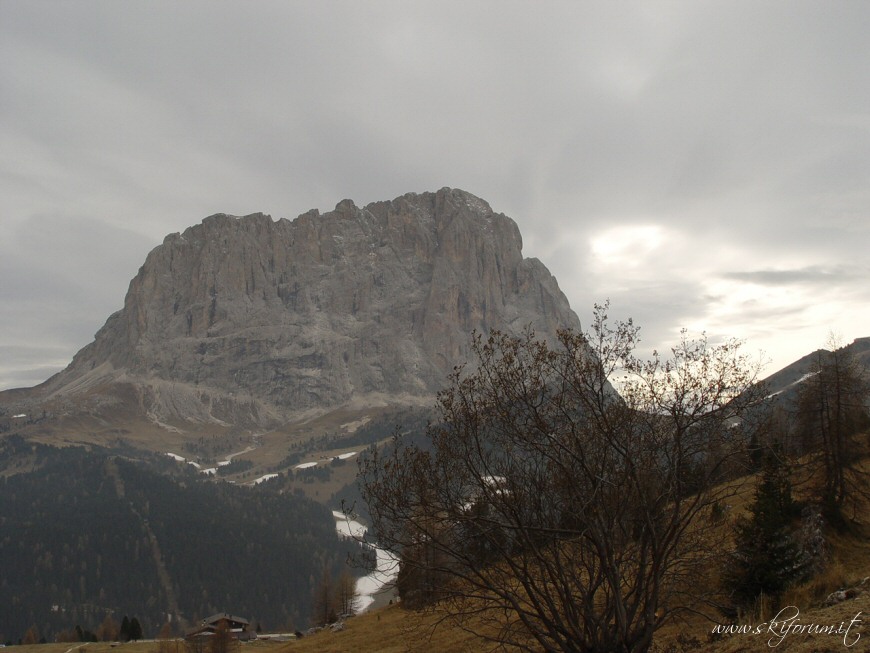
[(88, 533)]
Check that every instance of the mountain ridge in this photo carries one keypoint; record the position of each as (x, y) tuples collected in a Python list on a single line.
[(785, 382), (251, 322)]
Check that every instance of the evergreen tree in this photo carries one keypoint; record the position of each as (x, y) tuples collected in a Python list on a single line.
[(135, 629), (767, 558), (124, 633)]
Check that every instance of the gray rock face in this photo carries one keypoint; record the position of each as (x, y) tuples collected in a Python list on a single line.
[(256, 321)]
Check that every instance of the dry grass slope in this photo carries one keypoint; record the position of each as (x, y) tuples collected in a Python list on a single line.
[(396, 630), (390, 630)]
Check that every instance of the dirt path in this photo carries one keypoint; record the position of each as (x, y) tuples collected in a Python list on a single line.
[(162, 572)]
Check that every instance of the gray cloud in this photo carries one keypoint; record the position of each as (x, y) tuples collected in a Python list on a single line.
[(61, 279), (738, 132), (810, 275)]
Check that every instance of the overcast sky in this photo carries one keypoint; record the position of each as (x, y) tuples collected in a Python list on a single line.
[(702, 164)]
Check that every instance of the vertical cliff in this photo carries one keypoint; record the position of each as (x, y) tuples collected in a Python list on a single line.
[(354, 305)]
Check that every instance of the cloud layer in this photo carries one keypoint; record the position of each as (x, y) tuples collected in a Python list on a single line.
[(701, 164)]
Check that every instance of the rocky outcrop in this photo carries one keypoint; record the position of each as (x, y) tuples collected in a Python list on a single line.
[(254, 320)]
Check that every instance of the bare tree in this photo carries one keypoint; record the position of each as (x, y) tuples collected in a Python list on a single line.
[(222, 641), (31, 636), (166, 639), (108, 630), (165, 631), (345, 593), (553, 508), (324, 599), (832, 411)]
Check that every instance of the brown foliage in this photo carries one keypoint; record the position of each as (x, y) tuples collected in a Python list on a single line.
[(554, 507), (832, 412), (31, 636), (108, 630)]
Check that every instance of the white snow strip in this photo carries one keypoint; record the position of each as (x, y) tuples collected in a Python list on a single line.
[(793, 383), (211, 471), (345, 456), (197, 465), (348, 527), (386, 570), (19, 416), (265, 477), (306, 465), (176, 457), (386, 564)]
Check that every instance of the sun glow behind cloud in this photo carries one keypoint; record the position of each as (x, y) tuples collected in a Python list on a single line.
[(627, 246)]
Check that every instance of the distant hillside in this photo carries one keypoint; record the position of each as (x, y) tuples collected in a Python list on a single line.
[(785, 383), (90, 533)]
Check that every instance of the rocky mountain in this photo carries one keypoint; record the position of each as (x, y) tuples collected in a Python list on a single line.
[(253, 322)]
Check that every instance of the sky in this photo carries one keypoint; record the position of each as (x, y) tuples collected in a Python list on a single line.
[(702, 165)]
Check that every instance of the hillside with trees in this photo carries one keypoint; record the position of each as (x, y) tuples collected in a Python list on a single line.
[(550, 512), (93, 533)]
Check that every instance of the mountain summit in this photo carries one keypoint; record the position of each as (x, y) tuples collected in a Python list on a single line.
[(254, 322)]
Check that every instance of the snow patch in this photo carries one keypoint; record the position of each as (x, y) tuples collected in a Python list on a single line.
[(181, 459), (386, 564), (263, 478), (348, 528), (386, 570), (792, 384), (306, 465), (345, 456)]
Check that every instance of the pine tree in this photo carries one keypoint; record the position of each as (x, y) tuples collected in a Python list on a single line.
[(135, 629), (124, 633), (767, 558)]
